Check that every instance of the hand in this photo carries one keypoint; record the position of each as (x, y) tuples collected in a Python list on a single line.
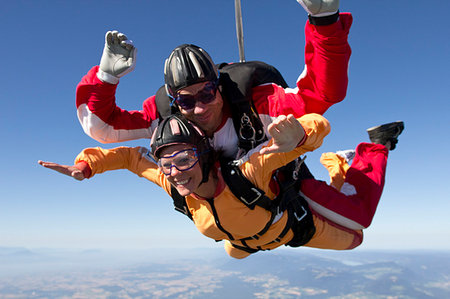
[(64, 169), (286, 132), (118, 59), (320, 8)]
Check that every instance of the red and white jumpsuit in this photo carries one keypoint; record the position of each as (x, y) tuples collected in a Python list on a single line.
[(322, 83)]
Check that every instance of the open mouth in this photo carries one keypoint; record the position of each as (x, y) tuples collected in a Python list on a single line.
[(183, 182)]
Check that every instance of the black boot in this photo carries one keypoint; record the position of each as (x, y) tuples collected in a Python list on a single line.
[(387, 132)]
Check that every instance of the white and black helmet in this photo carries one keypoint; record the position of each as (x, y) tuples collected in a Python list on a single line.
[(188, 65)]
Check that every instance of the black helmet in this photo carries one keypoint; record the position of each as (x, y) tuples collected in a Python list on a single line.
[(187, 65), (176, 129)]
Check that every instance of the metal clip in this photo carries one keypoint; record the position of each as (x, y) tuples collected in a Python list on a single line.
[(247, 125), (298, 164)]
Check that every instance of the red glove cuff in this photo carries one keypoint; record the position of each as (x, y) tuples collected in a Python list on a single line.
[(85, 168), (303, 139)]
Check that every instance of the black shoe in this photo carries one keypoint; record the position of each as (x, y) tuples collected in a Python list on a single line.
[(387, 132)]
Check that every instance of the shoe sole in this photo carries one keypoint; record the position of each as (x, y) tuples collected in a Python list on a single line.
[(386, 127), (387, 132)]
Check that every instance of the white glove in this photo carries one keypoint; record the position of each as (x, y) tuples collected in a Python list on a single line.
[(118, 59), (320, 8)]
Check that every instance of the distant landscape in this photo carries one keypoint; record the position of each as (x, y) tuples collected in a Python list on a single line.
[(209, 273)]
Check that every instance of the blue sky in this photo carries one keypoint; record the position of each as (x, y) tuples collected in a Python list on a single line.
[(399, 70)]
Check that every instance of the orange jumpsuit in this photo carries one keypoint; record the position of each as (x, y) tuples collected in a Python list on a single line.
[(235, 217)]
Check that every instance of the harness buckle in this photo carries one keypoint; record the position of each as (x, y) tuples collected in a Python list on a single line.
[(302, 216), (258, 196)]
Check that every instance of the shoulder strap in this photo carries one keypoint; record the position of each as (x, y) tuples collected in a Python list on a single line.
[(237, 81), (179, 202), (242, 188)]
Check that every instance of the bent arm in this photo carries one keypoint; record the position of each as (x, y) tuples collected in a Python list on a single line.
[(324, 79), (258, 167), (316, 129), (103, 120), (286, 133)]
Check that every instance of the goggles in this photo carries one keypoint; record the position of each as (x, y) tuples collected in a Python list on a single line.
[(182, 160), (206, 96)]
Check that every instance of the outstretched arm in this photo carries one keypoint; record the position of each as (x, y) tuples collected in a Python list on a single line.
[(72, 171), (92, 161)]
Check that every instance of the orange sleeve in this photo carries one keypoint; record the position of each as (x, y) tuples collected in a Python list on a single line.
[(258, 168), (135, 159)]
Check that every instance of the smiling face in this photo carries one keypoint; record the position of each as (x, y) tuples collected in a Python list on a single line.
[(207, 116), (187, 181)]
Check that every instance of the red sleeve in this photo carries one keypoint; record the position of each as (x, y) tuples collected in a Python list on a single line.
[(103, 120), (327, 54), (323, 81)]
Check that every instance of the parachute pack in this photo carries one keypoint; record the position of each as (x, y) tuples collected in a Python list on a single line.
[(236, 82)]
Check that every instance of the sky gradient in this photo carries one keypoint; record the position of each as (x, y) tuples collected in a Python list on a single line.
[(399, 70)]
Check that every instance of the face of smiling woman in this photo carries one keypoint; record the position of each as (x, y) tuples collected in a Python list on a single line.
[(187, 181)]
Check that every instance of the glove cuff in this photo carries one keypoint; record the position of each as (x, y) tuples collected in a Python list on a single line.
[(85, 168), (323, 20), (108, 78)]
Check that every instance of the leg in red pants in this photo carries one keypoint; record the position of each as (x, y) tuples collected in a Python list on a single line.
[(355, 209)]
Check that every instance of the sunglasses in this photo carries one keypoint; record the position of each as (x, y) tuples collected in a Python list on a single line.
[(206, 96), (182, 160)]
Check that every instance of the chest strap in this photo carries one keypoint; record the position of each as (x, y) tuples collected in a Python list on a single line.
[(243, 189)]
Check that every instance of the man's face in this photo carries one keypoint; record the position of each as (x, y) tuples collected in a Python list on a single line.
[(207, 116)]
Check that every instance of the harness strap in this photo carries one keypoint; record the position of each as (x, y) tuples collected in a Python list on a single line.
[(263, 231), (246, 249), (216, 219), (179, 202), (288, 178), (303, 224), (249, 249), (299, 215), (242, 188)]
